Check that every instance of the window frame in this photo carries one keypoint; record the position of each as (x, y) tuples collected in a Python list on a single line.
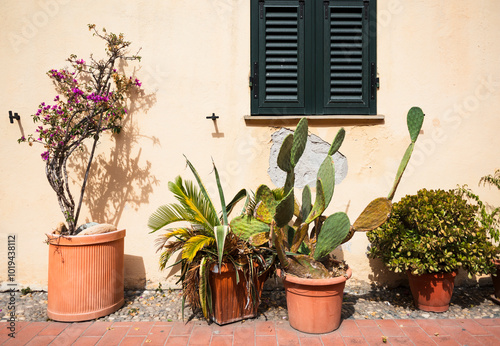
[(311, 85)]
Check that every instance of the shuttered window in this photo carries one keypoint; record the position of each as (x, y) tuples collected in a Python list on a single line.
[(313, 57)]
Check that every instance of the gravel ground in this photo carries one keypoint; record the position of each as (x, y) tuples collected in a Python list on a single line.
[(360, 302)]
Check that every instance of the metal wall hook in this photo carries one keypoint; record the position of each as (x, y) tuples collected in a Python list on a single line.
[(213, 117), (12, 117)]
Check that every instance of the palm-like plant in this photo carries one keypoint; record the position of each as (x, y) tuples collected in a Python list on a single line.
[(206, 240), (194, 208)]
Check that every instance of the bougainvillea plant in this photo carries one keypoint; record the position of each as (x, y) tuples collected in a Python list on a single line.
[(91, 100)]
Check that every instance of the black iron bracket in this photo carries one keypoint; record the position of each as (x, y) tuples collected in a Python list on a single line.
[(213, 117), (12, 117)]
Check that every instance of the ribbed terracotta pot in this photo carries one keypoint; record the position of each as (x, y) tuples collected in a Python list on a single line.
[(233, 302), (432, 292), (315, 305), (496, 283), (85, 276)]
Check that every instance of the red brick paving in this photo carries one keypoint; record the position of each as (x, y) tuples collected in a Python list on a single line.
[(113, 336), (446, 341), (244, 334), (266, 340), (431, 327), (97, 329), (222, 340), (41, 340), (140, 328), (132, 340), (389, 328), (259, 333), (158, 335), (86, 341)]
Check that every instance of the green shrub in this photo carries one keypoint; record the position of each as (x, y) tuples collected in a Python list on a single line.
[(488, 216), (433, 231)]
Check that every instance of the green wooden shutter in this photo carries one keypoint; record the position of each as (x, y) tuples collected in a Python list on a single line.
[(313, 57), (278, 57), (348, 57)]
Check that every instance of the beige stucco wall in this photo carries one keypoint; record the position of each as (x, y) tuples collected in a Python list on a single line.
[(441, 57)]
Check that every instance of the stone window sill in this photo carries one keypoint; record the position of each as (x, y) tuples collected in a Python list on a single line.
[(313, 119)]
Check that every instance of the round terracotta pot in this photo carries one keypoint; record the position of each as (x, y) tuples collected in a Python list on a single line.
[(85, 276), (315, 305), (496, 282), (432, 292)]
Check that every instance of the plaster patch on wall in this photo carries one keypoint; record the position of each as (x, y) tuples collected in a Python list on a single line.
[(307, 168)]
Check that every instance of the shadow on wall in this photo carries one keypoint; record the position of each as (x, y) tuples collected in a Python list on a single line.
[(118, 179), (382, 276), (135, 272)]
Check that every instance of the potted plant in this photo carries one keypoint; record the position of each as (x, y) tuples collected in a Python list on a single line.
[(85, 271), (304, 238), (430, 236), (489, 218), (220, 273)]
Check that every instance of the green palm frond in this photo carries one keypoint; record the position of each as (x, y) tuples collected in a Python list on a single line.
[(250, 204), (204, 288), (201, 204), (181, 235), (167, 214), (195, 244), (197, 209), (168, 247), (203, 190), (165, 255)]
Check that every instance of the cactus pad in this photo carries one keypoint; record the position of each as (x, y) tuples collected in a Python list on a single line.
[(285, 210), (290, 181), (245, 226), (285, 154), (401, 169), (319, 204), (337, 142), (326, 173), (259, 239), (266, 204), (299, 141), (374, 215), (306, 202), (334, 230), (414, 120), (299, 237)]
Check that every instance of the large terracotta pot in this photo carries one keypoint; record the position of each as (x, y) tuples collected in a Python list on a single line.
[(432, 292), (232, 302), (496, 283), (315, 305), (85, 276)]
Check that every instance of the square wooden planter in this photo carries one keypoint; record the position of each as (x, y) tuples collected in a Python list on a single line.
[(231, 301)]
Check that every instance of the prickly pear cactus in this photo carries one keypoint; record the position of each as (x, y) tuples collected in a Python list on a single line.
[(273, 214)]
